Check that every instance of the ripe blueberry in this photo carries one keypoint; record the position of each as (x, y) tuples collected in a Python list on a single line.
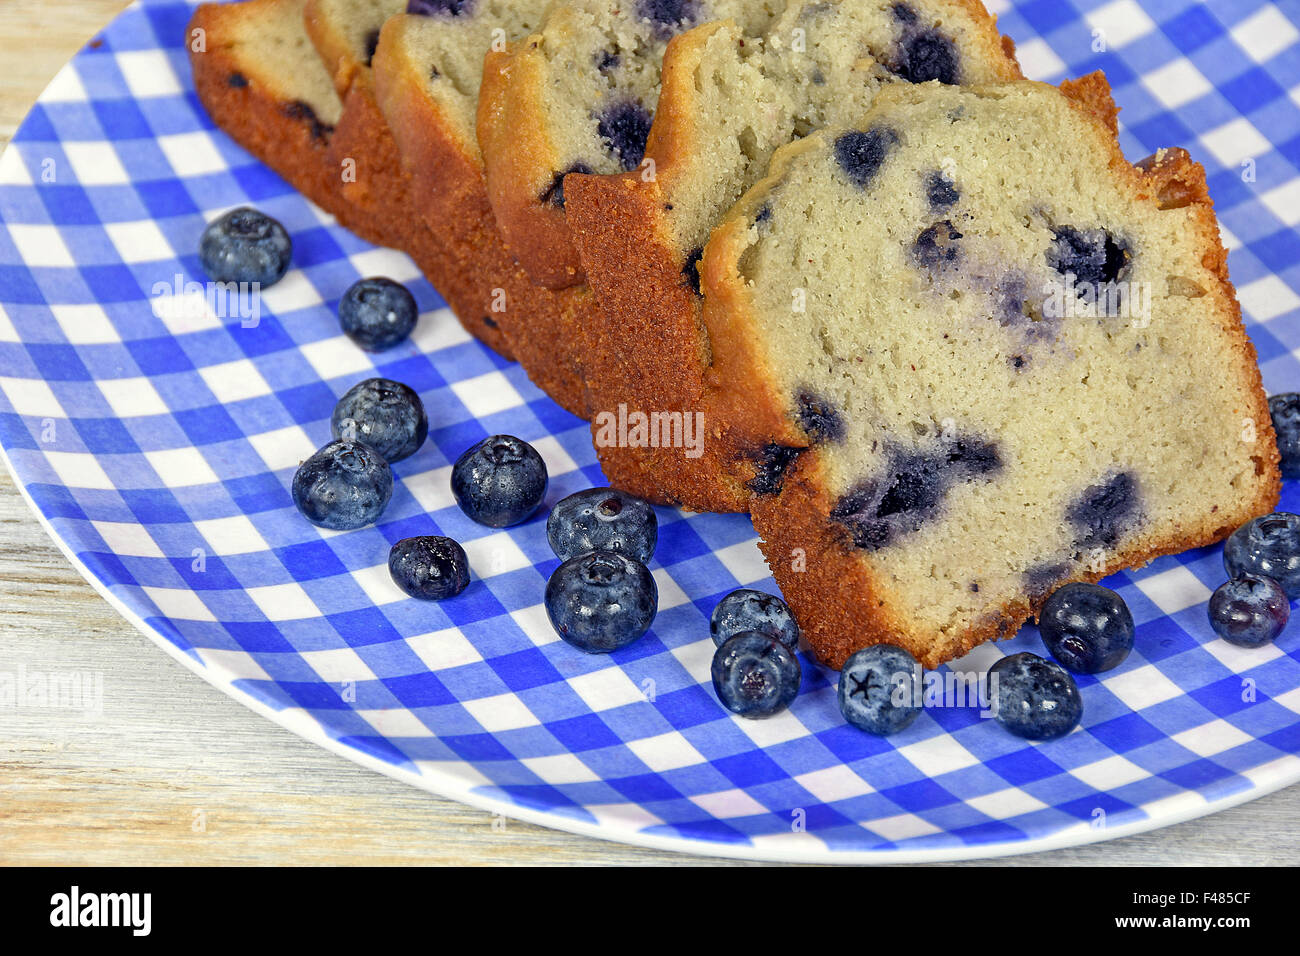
[(500, 481), (429, 567), (377, 313), (1086, 627), (343, 486), (755, 676), (748, 610), (386, 415), (879, 689), (245, 245), (602, 519), (601, 601)]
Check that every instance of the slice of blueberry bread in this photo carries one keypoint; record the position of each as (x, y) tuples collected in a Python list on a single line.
[(578, 96), (983, 356), (727, 101), (427, 70)]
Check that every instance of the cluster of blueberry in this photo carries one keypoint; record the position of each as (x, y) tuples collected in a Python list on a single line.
[(1086, 627), (348, 483), (755, 670), (246, 245), (378, 422), (602, 596), (1262, 557)]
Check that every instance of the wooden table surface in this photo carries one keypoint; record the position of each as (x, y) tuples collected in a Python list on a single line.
[(175, 772)]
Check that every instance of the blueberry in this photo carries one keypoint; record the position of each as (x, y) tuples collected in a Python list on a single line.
[(1086, 627), (927, 55), (440, 8), (1091, 255), (755, 676), (306, 114), (1249, 611), (1285, 412), (1104, 510), (903, 13), (601, 601), (912, 487), (937, 245), (625, 127), (245, 245), (602, 519), (745, 609), (343, 486), (861, 153), (940, 193), (1268, 547), (879, 689), (429, 567), (500, 481), (1034, 698), (386, 415), (691, 269), (819, 417), (554, 193), (377, 313), (668, 15), (770, 465)]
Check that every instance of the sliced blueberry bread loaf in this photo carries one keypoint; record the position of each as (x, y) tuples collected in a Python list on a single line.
[(578, 96), (982, 356), (727, 101), (428, 67)]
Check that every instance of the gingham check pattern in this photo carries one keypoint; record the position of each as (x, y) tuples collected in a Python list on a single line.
[(161, 451)]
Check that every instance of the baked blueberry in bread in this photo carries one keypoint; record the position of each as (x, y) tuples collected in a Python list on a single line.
[(981, 356), (578, 96), (727, 101)]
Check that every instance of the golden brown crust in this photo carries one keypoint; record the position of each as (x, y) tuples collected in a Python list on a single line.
[(518, 159), (383, 188), (380, 185), (543, 327), (1092, 93), (840, 606), (645, 349)]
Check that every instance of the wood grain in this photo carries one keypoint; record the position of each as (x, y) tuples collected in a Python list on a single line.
[(175, 772)]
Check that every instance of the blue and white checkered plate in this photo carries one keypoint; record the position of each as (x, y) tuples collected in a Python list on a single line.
[(157, 446)]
